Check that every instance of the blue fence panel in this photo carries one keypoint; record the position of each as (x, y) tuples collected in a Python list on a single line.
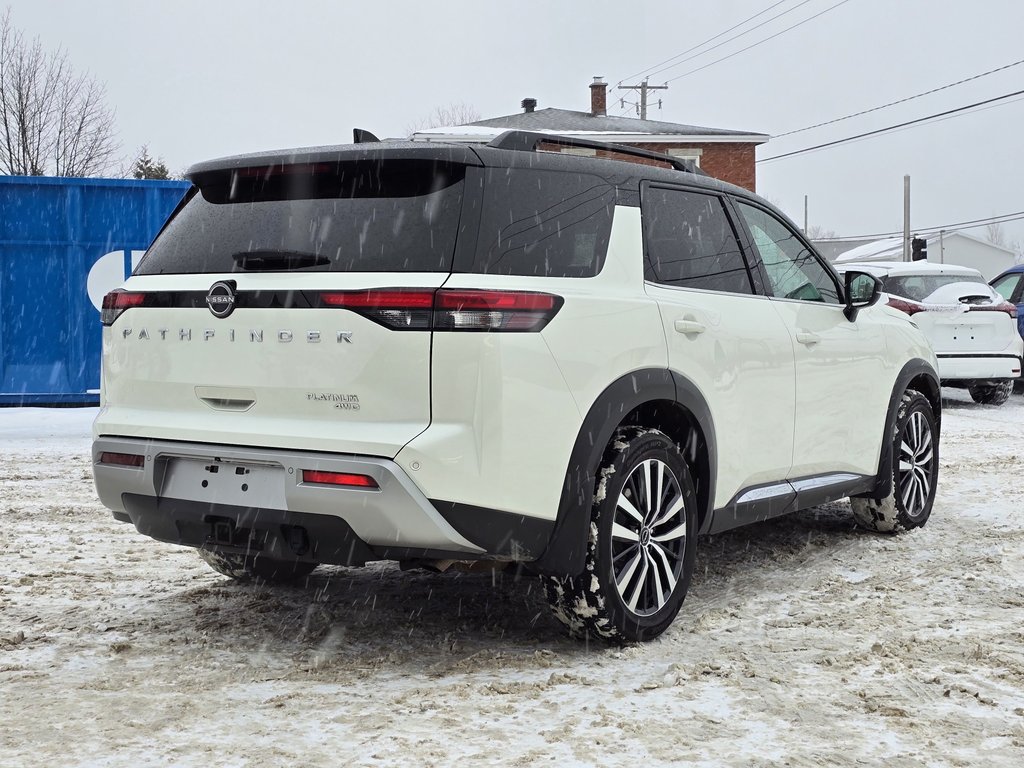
[(63, 244)]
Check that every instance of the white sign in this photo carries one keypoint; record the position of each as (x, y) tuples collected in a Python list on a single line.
[(109, 272)]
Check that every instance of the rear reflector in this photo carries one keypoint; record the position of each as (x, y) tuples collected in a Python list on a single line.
[(122, 459), (116, 302), (450, 309), (338, 478)]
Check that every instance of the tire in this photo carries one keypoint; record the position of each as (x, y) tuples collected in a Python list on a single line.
[(255, 567), (915, 469), (991, 394), (641, 547)]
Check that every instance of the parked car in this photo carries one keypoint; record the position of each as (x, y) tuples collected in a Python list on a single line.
[(972, 328), (1010, 285), (435, 353)]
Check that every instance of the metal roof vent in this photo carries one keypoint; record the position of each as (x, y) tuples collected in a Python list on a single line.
[(529, 105)]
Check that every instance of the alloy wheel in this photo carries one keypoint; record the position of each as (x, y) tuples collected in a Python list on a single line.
[(917, 458), (648, 537)]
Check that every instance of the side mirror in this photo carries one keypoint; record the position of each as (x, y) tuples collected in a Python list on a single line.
[(862, 290)]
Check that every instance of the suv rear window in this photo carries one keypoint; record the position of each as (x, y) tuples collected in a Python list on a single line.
[(366, 216), (920, 287), (543, 223)]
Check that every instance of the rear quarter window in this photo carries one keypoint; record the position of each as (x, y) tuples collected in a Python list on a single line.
[(543, 223)]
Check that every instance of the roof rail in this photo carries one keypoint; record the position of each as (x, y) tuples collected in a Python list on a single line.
[(528, 141)]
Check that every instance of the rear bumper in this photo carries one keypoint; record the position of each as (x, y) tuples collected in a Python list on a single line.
[(980, 366), (257, 496)]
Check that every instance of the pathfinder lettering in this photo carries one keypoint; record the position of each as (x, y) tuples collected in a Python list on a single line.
[(255, 335)]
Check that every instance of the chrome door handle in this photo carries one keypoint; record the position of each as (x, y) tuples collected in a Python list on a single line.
[(804, 337), (690, 326)]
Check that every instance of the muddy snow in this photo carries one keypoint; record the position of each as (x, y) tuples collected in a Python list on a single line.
[(803, 642)]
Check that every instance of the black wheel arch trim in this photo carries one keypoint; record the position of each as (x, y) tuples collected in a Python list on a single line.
[(914, 370), (566, 550)]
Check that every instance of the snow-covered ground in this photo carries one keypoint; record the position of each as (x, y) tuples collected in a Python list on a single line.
[(804, 642)]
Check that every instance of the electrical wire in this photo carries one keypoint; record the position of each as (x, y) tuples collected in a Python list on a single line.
[(712, 39), (724, 42), (900, 101), (890, 128), (765, 40), (969, 224)]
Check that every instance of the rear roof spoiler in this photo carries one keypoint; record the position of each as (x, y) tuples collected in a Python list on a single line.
[(529, 141)]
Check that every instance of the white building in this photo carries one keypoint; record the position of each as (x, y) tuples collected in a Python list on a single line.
[(949, 248)]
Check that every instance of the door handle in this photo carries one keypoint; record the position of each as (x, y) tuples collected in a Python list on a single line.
[(689, 325), (808, 338)]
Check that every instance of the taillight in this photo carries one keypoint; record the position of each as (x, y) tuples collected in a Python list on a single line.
[(402, 309), (344, 479), (1006, 306), (903, 305), (450, 309), (469, 310), (116, 302), (122, 459)]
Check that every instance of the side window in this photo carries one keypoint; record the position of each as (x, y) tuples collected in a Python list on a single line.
[(793, 271), (543, 223), (1007, 286), (690, 242)]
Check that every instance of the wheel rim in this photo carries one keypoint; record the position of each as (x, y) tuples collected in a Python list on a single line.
[(648, 538), (917, 461)]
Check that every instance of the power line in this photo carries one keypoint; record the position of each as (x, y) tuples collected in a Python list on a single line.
[(891, 127), (712, 39), (724, 42), (969, 224), (900, 101), (765, 40)]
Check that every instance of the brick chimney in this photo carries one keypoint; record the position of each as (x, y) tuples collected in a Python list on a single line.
[(598, 97)]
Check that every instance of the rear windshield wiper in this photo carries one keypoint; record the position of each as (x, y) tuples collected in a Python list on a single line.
[(258, 261)]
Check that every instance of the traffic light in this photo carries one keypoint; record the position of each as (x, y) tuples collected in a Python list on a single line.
[(918, 249)]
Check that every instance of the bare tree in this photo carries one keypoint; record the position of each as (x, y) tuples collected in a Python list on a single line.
[(52, 120), (818, 232), (994, 234), (451, 114)]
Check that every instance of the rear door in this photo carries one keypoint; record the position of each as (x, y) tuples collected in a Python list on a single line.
[(722, 334), (288, 305)]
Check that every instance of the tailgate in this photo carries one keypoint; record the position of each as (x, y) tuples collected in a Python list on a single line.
[(303, 377)]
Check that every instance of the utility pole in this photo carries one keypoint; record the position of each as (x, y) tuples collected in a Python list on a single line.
[(805, 214), (644, 88), (906, 217)]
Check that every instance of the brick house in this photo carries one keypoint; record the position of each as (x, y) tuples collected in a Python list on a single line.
[(724, 154)]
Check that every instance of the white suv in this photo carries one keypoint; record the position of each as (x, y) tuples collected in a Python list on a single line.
[(435, 353), (972, 328)]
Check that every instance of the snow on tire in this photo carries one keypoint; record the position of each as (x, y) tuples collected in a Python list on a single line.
[(992, 394), (915, 469), (641, 546)]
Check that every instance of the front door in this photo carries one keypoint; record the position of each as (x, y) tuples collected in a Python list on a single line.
[(843, 378)]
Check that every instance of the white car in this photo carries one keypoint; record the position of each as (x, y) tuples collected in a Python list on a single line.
[(444, 354), (971, 327)]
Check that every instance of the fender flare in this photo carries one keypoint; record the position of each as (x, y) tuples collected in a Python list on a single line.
[(914, 369), (566, 551)]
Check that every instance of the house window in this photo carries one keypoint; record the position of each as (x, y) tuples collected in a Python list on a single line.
[(687, 154)]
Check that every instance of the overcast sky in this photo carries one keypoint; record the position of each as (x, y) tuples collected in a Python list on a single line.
[(196, 79)]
